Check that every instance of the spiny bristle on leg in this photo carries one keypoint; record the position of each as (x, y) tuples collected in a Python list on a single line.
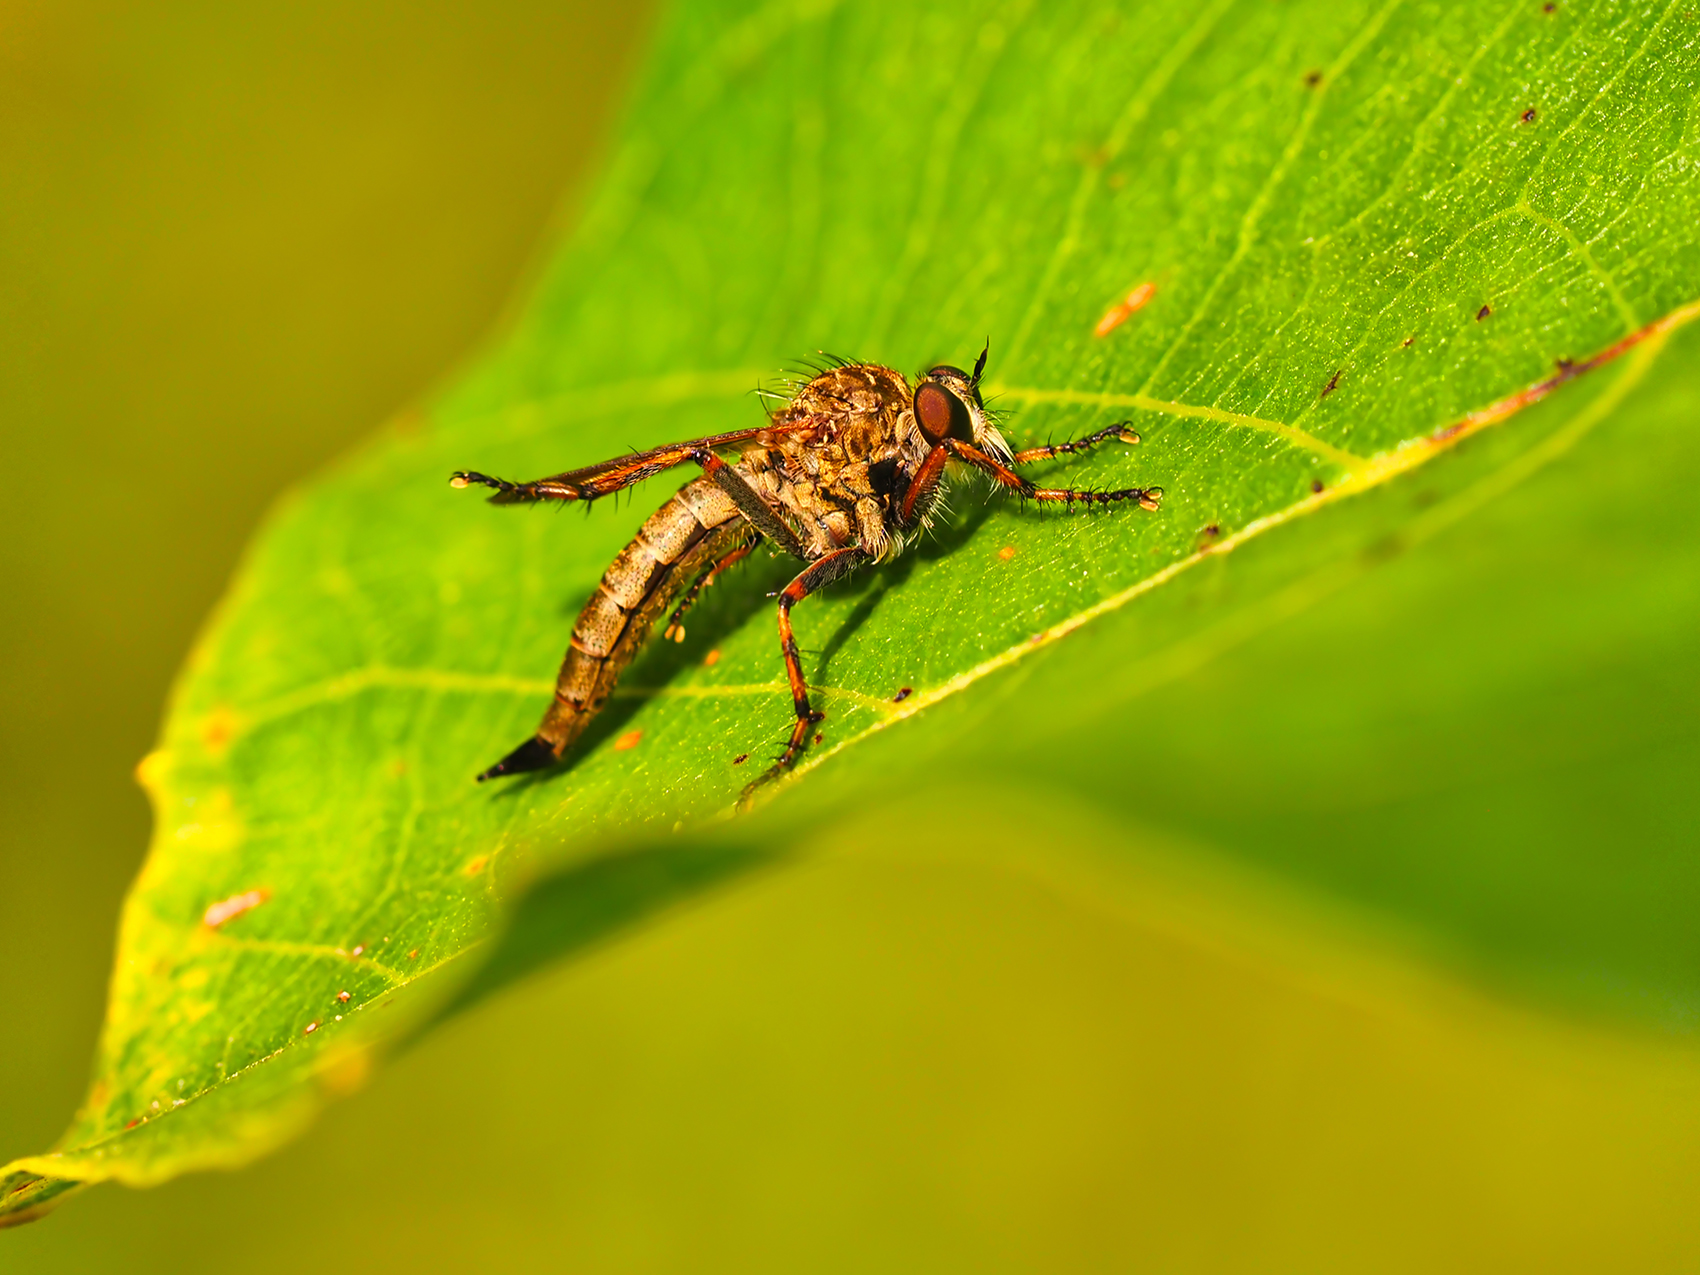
[(535, 754)]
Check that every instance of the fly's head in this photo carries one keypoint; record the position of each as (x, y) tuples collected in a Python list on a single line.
[(947, 404)]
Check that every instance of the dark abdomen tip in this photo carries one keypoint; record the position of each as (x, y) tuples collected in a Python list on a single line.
[(535, 754)]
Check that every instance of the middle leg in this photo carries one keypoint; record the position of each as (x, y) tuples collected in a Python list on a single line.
[(817, 575), (675, 629)]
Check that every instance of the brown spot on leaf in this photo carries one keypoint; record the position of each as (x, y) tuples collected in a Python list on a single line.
[(903, 694), (1528, 116), (1316, 486), (1124, 309), (218, 728), (1313, 78), (229, 909), (740, 759), (1333, 383), (1483, 313)]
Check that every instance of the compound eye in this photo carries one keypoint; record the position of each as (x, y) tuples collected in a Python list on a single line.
[(940, 413)]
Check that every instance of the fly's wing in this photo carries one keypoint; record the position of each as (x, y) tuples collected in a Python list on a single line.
[(623, 471)]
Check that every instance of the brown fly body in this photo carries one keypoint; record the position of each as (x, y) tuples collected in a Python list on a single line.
[(846, 471)]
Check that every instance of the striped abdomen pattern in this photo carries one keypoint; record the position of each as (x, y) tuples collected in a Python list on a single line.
[(685, 537)]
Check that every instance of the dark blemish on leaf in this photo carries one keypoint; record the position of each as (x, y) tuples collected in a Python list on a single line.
[(1313, 78), (1316, 486), (740, 759), (1528, 116), (1333, 384), (1548, 7), (902, 694), (1483, 313), (229, 909), (1212, 530), (1564, 365), (1407, 343), (819, 737), (1384, 549), (342, 997)]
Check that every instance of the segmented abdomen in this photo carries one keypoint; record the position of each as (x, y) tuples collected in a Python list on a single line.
[(683, 538)]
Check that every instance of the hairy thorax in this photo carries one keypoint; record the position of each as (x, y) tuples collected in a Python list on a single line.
[(840, 476)]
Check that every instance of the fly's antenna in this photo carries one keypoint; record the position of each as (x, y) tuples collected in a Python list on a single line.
[(980, 364)]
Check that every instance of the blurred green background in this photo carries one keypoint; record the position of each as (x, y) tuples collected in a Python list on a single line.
[(235, 241), (232, 240)]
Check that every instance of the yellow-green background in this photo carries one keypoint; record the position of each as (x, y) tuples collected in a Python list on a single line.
[(234, 240)]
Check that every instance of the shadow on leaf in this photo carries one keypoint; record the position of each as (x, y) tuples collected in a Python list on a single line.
[(566, 911)]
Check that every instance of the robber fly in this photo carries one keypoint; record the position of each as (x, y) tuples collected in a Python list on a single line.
[(846, 471)]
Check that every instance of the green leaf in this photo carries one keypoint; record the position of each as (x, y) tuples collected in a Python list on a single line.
[(1418, 567)]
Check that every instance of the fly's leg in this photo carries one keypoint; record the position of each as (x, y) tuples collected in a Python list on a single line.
[(751, 503), (508, 493), (597, 480), (1072, 497), (817, 575), (1122, 431), (675, 629)]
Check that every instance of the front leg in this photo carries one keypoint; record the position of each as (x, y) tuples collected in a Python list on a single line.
[(1145, 497), (1122, 431)]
